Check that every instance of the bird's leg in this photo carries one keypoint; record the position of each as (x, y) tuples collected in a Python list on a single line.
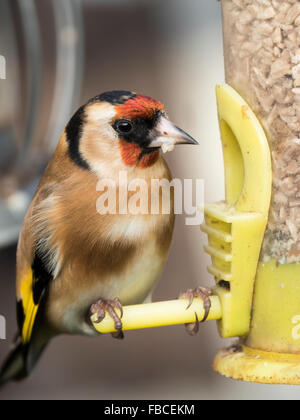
[(102, 306), (203, 293)]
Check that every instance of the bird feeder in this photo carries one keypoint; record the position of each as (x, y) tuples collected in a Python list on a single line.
[(254, 235), (262, 63)]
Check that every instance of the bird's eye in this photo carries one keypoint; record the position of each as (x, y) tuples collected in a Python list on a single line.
[(124, 126)]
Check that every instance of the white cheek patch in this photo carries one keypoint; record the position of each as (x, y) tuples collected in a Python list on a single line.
[(100, 115), (101, 112)]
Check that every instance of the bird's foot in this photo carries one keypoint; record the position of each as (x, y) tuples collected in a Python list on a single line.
[(110, 306), (203, 293)]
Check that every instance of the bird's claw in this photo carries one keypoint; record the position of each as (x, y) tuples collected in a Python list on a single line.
[(119, 335), (193, 328), (203, 293), (110, 306)]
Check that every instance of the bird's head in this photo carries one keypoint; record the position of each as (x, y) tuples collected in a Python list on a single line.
[(124, 126)]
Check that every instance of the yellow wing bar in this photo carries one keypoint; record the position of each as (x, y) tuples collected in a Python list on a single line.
[(29, 307)]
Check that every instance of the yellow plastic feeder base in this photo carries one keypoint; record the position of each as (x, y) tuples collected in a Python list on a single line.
[(251, 365)]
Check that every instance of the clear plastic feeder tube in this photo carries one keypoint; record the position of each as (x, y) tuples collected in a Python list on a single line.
[(262, 62)]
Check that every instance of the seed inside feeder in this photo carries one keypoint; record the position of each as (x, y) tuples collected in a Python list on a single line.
[(262, 60)]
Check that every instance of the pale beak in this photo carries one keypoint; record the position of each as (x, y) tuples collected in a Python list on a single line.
[(166, 135)]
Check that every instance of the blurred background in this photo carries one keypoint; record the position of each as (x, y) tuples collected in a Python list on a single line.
[(59, 53)]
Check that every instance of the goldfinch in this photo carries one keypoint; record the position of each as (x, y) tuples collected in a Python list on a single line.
[(73, 262)]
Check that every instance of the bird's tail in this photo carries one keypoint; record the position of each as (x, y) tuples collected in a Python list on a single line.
[(14, 368), (21, 361)]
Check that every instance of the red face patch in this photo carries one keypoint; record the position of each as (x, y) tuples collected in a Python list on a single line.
[(139, 107), (131, 153)]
